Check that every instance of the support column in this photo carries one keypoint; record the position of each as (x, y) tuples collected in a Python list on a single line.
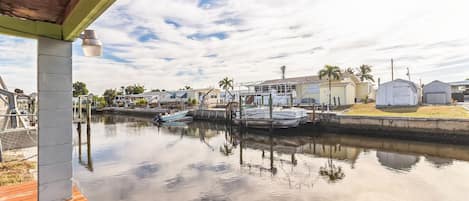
[(55, 119)]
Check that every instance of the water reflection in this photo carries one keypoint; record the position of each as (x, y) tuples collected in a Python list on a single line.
[(128, 158), (397, 161)]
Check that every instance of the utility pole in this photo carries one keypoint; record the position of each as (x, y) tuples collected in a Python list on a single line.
[(408, 73), (392, 70)]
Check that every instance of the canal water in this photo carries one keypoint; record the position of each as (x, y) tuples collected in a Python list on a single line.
[(128, 158)]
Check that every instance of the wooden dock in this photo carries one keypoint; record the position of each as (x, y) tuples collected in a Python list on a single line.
[(28, 192)]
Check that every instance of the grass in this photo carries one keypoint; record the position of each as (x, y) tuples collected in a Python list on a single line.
[(16, 172), (445, 111)]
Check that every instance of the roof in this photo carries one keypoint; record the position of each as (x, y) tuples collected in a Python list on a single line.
[(414, 86), (56, 19), (299, 80), (437, 82), (459, 83), (293, 80)]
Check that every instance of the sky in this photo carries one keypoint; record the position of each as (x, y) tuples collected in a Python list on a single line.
[(167, 44)]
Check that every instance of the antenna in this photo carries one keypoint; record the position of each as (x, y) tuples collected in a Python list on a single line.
[(282, 68), (392, 70)]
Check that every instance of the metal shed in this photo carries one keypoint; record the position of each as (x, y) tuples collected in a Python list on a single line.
[(437, 92), (398, 92)]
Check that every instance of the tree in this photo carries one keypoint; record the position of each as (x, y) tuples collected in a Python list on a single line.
[(155, 90), (226, 84), (467, 78), (364, 73), (79, 88), (109, 95), (19, 91), (331, 72), (134, 89)]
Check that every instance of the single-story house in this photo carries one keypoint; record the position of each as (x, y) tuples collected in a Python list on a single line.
[(398, 92), (460, 87), (437, 92), (312, 90)]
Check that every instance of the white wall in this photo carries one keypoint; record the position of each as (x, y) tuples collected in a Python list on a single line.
[(55, 119)]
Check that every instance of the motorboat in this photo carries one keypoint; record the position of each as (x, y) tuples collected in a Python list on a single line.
[(172, 117)]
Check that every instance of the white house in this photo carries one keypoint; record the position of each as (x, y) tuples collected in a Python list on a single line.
[(437, 92), (398, 92)]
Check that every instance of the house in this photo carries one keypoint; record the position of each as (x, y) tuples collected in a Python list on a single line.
[(460, 87), (437, 92), (398, 92), (311, 90), (210, 96)]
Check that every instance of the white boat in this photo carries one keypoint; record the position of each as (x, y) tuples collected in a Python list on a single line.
[(177, 116), (281, 117)]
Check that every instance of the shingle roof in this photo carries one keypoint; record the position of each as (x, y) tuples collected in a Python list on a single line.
[(293, 80)]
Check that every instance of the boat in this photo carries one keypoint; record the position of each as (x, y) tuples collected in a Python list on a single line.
[(173, 117), (281, 117)]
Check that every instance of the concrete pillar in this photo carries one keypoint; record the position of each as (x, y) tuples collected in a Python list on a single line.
[(55, 119)]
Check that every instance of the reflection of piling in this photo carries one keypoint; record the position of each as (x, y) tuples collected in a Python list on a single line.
[(240, 147), (88, 149), (79, 140)]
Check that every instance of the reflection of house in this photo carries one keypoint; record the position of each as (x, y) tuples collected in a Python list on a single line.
[(437, 92), (397, 161), (331, 151), (398, 92), (311, 89), (439, 162)]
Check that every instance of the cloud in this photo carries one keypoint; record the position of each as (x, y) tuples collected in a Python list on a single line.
[(172, 43)]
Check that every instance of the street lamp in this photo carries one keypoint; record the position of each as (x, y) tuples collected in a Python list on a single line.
[(92, 47)]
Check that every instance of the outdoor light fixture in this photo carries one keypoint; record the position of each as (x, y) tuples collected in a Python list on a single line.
[(92, 47)]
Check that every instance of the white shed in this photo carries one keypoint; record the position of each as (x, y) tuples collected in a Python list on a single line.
[(437, 92), (398, 92)]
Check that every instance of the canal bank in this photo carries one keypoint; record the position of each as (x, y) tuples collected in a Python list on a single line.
[(428, 129)]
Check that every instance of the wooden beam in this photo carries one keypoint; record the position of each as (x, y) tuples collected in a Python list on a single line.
[(82, 15), (27, 28)]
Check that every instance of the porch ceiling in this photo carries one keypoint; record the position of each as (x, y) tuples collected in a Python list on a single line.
[(57, 19), (52, 11)]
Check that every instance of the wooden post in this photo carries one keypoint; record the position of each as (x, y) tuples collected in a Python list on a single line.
[(240, 108), (270, 113), (88, 115), (270, 106), (314, 114), (79, 108), (291, 100)]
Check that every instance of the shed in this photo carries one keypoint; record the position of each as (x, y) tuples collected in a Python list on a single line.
[(398, 92), (437, 92)]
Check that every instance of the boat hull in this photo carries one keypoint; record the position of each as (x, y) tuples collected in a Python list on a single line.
[(268, 123)]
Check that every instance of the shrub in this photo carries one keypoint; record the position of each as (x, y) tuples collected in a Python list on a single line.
[(141, 102)]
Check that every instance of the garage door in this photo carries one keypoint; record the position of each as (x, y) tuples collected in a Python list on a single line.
[(437, 98), (401, 95)]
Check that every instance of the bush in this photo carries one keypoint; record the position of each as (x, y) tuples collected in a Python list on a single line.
[(141, 102)]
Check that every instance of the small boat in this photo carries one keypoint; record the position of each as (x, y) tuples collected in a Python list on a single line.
[(177, 116)]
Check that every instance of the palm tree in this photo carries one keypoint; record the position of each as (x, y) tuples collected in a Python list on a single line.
[(331, 72), (226, 84), (364, 73)]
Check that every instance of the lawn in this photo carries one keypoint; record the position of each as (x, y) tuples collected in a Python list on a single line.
[(446, 111)]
